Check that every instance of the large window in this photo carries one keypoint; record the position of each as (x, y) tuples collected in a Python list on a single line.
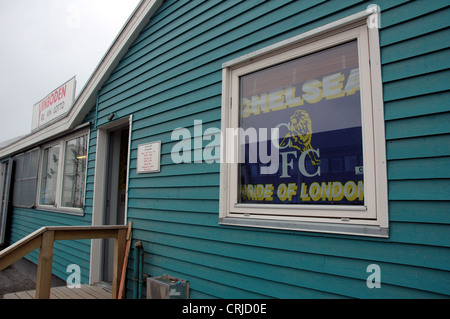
[(63, 174), (317, 108), (307, 134)]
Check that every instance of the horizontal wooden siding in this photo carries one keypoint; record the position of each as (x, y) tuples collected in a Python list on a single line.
[(171, 76)]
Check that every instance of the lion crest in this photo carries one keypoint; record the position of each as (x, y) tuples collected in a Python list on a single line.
[(300, 134)]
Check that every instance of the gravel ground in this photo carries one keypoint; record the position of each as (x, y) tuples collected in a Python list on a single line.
[(21, 276), (13, 279)]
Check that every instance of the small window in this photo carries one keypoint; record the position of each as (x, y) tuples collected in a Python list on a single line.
[(25, 178), (304, 147), (74, 172), (49, 177), (63, 175)]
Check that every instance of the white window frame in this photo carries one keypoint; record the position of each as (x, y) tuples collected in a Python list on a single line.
[(59, 183), (368, 220)]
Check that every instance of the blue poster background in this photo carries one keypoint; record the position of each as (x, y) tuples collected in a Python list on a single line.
[(336, 138)]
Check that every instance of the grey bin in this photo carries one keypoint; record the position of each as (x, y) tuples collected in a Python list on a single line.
[(167, 287)]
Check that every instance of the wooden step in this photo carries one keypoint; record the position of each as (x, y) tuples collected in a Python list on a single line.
[(64, 292)]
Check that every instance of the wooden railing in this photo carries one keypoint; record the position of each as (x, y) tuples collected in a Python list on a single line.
[(44, 237)]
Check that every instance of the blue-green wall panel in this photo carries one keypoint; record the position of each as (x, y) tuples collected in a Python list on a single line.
[(171, 76), (25, 221)]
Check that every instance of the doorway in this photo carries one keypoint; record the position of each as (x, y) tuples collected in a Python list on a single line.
[(116, 178), (110, 192)]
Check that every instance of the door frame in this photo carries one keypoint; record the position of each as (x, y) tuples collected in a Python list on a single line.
[(100, 190), (5, 187)]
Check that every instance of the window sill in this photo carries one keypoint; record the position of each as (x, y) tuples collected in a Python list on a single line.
[(345, 228), (64, 210)]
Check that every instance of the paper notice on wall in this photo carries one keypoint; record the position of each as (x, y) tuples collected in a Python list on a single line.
[(149, 157)]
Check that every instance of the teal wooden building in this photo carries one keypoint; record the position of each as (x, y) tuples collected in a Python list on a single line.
[(353, 200)]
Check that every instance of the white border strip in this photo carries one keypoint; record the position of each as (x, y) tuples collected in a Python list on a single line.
[(316, 227)]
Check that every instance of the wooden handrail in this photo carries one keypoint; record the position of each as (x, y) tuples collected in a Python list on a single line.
[(44, 237)]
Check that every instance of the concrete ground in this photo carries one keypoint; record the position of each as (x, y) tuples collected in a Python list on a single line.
[(12, 280), (21, 276)]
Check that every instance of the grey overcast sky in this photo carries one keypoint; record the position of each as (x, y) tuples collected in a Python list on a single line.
[(44, 43)]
